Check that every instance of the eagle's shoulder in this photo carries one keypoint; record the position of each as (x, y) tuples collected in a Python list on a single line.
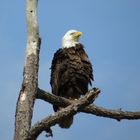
[(82, 53)]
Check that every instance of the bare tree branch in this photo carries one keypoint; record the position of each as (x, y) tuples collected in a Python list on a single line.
[(25, 103), (117, 114), (53, 99), (72, 109)]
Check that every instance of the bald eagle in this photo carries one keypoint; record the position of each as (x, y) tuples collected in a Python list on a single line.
[(71, 71)]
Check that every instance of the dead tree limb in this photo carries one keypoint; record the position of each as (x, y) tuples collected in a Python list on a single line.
[(29, 87), (117, 114), (72, 109), (52, 99)]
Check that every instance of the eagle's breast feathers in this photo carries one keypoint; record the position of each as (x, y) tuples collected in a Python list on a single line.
[(70, 67)]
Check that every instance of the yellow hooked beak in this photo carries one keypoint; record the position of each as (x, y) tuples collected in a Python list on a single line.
[(78, 34)]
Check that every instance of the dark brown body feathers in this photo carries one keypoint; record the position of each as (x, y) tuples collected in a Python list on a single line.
[(71, 72)]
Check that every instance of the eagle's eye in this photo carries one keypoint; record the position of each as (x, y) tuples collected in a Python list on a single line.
[(72, 33)]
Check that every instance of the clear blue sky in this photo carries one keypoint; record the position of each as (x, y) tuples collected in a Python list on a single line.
[(112, 40)]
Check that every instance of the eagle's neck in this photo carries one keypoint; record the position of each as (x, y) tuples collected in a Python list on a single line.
[(69, 43)]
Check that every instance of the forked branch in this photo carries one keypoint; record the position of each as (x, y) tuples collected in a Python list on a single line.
[(117, 114), (72, 109)]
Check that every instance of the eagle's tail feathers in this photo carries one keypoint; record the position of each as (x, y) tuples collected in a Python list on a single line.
[(66, 122)]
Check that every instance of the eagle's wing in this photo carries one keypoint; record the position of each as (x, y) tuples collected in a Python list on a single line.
[(57, 69)]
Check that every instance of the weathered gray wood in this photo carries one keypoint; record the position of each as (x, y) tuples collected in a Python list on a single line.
[(25, 103)]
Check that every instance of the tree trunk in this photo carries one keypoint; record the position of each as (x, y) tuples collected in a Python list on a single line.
[(25, 103)]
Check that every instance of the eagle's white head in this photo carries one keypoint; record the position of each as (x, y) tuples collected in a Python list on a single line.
[(71, 38)]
